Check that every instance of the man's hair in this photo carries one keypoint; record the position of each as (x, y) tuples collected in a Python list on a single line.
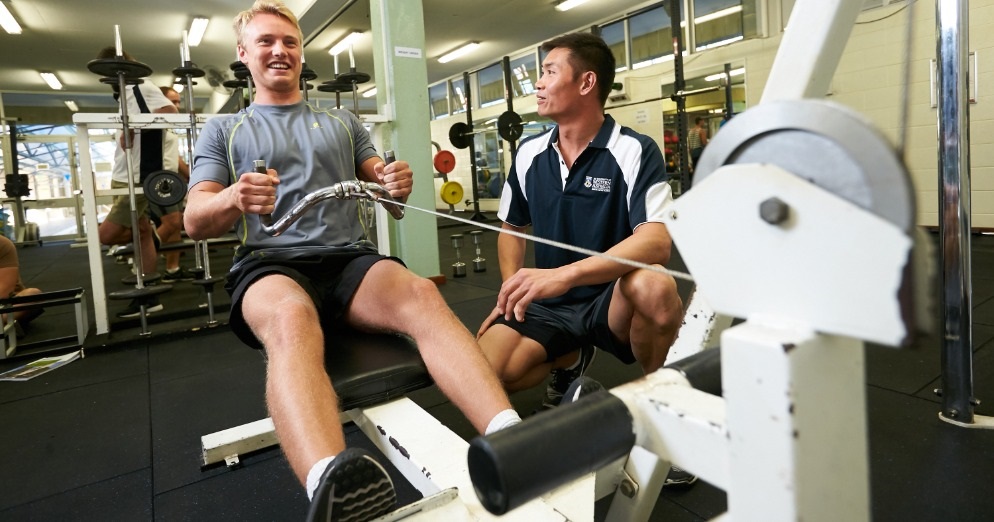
[(587, 52), (698, 120), (274, 7), (166, 90)]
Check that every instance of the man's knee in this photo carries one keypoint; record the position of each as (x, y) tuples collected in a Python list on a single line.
[(652, 294)]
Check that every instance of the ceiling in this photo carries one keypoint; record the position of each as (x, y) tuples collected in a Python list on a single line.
[(62, 36)]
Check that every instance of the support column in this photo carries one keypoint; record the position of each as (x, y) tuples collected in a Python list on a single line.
[(402, 93)]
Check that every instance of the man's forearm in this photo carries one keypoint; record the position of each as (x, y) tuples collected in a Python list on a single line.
[(210, 214)]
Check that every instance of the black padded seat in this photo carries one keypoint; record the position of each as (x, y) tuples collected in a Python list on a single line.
[(368, 369)]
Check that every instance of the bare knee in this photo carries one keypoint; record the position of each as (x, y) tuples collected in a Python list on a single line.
[(654, 296)]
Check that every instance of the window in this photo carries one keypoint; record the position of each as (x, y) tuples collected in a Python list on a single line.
[(438, 98), (524, 74), (614, 36), (652, 41), (458, 95), (717, 22), (491, 82)]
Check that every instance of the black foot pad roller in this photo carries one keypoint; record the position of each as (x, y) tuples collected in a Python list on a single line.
[(354, 488), (525, 461)]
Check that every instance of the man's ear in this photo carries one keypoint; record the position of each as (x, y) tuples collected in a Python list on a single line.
[(588, 82)]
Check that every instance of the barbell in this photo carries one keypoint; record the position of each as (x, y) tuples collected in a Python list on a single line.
[(509, 127)]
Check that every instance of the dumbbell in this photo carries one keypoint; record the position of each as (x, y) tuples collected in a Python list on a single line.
[(458, 268), (479, 263)]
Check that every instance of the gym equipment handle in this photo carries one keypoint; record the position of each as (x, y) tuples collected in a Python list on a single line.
[(350, 189), (520, 463)]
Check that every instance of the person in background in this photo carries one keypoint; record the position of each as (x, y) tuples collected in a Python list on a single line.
[(146, 157), (10, 280), (170, 218)]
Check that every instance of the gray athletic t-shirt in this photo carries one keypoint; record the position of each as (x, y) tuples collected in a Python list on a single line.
[(309, 149)]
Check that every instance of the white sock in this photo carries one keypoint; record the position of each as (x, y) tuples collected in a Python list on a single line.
[(314, 475), (504, 419)]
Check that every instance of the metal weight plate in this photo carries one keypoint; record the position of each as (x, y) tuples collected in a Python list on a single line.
[(164, 188), (444, 161), (451, 192), (460, 135), (509, 126)]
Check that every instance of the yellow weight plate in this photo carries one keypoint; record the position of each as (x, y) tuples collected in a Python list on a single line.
[(451, 192)]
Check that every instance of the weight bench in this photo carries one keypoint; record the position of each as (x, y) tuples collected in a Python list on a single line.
[(371, 373), (73, 296)]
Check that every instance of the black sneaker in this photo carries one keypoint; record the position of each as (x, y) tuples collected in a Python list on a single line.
[(679, 477), (181, 274), (562, 378), (134, 309), (354, 488)]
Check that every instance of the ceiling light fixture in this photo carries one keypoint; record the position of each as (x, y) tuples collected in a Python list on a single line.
[(197, 29), (369, 93), (72, 105), (51, 80), (464, 49), (566, 5), (344, 43), (718, 14), (7, 21), (718, 76)]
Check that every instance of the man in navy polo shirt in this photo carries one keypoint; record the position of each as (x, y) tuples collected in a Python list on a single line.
[(592, 183)]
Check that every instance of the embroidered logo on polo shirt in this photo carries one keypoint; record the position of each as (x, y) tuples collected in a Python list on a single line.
[(315, 125), (598, 184)]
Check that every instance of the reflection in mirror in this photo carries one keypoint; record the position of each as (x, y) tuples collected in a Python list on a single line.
[(493, 156), (710, 104)]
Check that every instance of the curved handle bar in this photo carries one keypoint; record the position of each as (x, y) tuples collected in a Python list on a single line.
[(341, 190)]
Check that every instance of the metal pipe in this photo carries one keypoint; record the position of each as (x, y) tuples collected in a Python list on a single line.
[(952, 39)]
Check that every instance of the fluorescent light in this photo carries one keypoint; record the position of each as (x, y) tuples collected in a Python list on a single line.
[(72, 105), (178, 87), (452, 55), (344, 43), (718, 14), (733, 72), (197, 29), (51, 80), (369, 93), (7, 21), (566, 5)]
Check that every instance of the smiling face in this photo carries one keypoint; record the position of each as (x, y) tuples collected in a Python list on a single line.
[(270, 46), (560, 87)]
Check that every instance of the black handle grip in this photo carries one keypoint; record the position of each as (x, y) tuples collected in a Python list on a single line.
[(260, 167), (518, 464)]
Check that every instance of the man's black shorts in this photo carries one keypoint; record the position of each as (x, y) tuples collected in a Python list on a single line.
[(331, 279), (564, 328)]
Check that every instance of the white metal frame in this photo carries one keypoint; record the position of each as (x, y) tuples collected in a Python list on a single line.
[(84, 122)]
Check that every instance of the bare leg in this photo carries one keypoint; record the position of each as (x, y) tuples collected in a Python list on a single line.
[(392, 298), (149, 255), (646, 311), (299, 394), (520, 362), (169, 232)]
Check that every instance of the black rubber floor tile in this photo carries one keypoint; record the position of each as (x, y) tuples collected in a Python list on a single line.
[(62, 441)]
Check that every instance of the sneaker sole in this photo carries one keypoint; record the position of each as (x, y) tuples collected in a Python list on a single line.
[(355, 489), (150, 309)]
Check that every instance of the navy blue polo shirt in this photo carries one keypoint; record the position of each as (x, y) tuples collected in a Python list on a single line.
[(617, 183)]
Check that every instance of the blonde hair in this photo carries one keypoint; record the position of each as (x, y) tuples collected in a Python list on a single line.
[(274, 7)]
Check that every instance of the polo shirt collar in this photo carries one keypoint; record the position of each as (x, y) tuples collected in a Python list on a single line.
[(603, 138)]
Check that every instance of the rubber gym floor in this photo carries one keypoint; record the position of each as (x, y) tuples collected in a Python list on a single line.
[(116, 436)]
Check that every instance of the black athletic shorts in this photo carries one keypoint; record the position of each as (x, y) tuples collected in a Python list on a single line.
[(331, 279), (562, 329)]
